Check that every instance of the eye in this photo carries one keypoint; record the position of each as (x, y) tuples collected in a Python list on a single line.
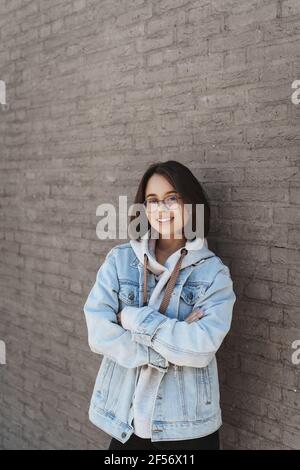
[(150, 203), (172, 198), (172, 202)]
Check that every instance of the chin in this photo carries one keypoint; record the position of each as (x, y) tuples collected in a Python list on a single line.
[(167, 232)]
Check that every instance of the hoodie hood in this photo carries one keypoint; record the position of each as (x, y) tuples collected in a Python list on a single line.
[(197, 251)]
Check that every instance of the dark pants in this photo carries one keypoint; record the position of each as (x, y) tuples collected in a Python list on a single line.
[(210, 442)]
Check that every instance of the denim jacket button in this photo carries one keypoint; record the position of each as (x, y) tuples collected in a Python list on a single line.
[(131, 295), (123, 434)]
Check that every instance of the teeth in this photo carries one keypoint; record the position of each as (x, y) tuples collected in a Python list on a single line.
[(164, 220)]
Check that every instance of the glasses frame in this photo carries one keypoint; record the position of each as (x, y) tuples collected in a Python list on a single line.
[(161, 200)]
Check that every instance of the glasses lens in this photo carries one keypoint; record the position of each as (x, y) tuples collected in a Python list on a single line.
[(171, 202), (151, 205)]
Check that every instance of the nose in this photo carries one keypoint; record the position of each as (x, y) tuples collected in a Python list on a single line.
[(164, 214), (161, 203)]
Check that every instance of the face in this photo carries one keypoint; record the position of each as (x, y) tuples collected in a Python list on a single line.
[(168, 222)]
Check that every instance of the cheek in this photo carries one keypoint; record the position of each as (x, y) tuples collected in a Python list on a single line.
[(178, 219), (186, 215), (152, 220), (155, 224)]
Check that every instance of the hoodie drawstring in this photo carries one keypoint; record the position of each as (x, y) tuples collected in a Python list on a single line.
[(145, 278), (169, 288), (170, 284)]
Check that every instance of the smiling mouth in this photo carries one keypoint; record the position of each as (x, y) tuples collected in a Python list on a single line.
[(165, 219)]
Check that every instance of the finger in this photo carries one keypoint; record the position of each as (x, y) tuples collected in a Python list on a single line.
[(195, 314), (198, 318), (190, 318), (195, 317)]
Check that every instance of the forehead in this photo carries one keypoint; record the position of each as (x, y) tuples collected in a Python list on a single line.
[(159, 186)]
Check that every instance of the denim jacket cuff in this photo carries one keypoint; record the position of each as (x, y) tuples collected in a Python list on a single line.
[(142, 322), (156, 360)]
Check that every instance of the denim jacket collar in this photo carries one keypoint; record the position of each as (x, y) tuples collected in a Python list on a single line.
[(197, 251)]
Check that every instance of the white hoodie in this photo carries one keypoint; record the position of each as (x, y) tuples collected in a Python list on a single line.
[(149, 378)]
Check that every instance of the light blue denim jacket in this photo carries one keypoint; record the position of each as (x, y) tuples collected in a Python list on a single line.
[(187, 404)]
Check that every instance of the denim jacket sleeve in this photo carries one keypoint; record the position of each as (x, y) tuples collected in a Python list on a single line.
[(105, 335), (182, 343)]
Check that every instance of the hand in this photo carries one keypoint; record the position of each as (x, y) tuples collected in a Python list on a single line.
[(119, 318), (195, 315)]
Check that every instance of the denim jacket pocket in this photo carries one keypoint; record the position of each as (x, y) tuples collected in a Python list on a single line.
[(108, 385), (205, 381), (128, 294), (192, 292), (103, 380)]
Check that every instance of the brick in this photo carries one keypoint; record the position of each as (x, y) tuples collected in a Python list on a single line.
[(278, 234), (285, 256), (144, 45), (291, 438), (248, 440), (290, 8), (262, 53), (258, 290), (280, 30), (294, 277), (268, 174), (270, 93), (262, 214), (167, 5), (256, 14), (165, 22), (79, 5), (286, 215), (295, 195), (233, 41), (199, 65), (251, 327), (199, 30), (268, 429), (291, 398), (286, 416), (284, 336), (267, 193), (271, 313), (257, 347), (270, 372), (261, 113), (289, 295), (240, 418), (291, 317)]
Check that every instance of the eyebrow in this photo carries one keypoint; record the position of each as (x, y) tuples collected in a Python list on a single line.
[(168, 192)]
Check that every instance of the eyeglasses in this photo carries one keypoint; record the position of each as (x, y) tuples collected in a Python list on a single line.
[(170, 202)]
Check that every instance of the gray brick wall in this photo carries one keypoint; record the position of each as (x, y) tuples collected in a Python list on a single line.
[(97, 90)]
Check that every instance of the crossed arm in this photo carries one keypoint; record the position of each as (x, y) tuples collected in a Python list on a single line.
[(105, 335), (145, 336)]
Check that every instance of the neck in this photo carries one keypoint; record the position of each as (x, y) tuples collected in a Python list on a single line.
[(170, 245)]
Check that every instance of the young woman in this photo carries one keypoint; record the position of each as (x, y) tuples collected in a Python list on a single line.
[(158, 312)]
